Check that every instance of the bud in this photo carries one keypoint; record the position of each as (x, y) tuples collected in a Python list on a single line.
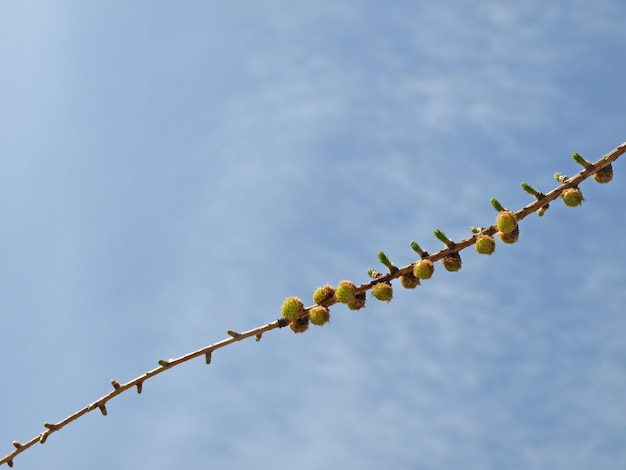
[(383, 291), (358, 302), (604, 175), (573, 197), (452, 262), (485, 244), (345, 291), (409, 281), (505, 222), (423, 269), (319, 315), (323, 293), (292, 307), (510, 237), (300, 324)]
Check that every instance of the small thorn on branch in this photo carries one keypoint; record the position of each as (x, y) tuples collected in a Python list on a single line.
[(103, 410), (115, 383), (233, 334), (50, 426), (258, 337), (139, 387), (207, 357), (16, 444), (163, 363)]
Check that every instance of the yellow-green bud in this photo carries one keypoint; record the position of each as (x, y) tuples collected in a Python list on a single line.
[(423, 269), (604, 175), (358, 302), (409, 281), (572, 197), (505, 222), (485, 244), (510, 237), (300, 325), (292, 307), (323, 293), (319, 315), (383, 291), (452, 262), (345, 291)]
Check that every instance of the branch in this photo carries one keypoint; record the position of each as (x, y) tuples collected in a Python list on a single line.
[(298, 317)]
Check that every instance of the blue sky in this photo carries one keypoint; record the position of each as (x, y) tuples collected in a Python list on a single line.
[(173, 170)]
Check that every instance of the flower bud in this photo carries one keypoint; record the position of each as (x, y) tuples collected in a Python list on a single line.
[(573, 197), (604, 175), (319, 315), (323, 293), (383, 291), (510, 237), (452, 262), (423, 269), (505, 222), (485, 244), (358, 302), (345, 291), (409, 281), (300, 325), (292, 306)]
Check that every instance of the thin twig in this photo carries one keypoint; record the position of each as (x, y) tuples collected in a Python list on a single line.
[(233, 336)]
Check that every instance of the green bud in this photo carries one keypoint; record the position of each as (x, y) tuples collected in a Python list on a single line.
[(417, 248), (578, 158), (292, 307), (505, 222), (383, 291), (485, 244), (319, 315), (573, 197), (496, 205), (345, 292), (442, 237), (323, 294), (423, 269)]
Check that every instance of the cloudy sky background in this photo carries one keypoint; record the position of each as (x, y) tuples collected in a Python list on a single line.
[(173, 170)]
